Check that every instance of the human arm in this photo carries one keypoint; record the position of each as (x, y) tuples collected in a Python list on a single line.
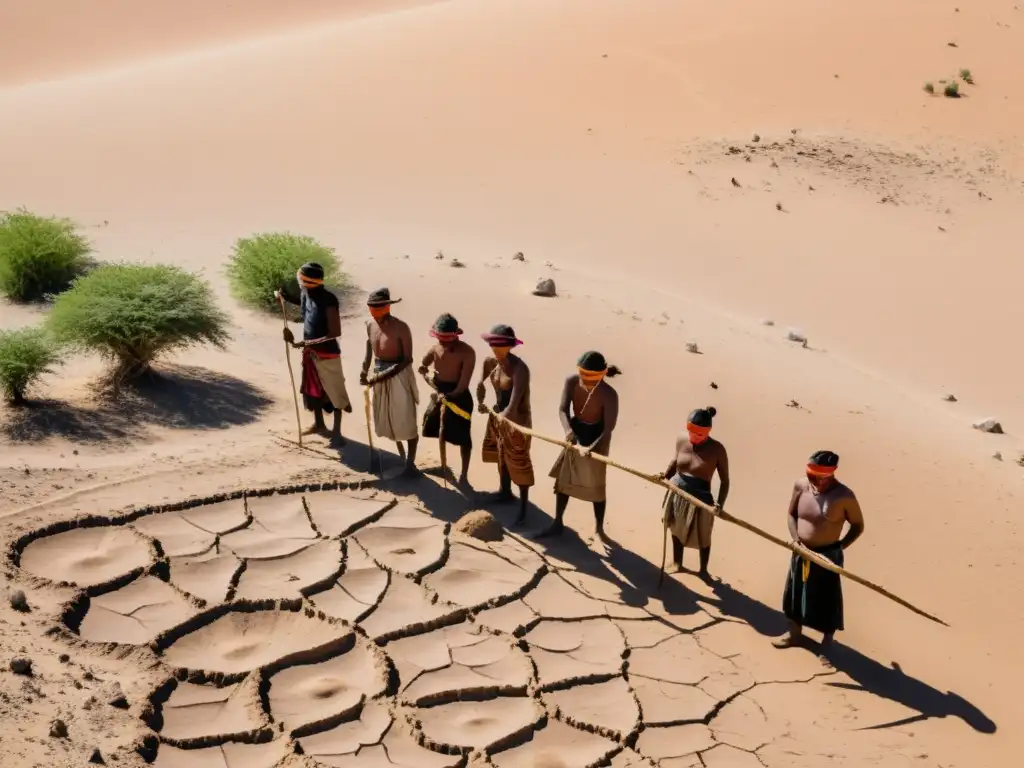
[(520, 384), (563, 409), (723, 478), (855, 518), (425, 363), (404, 343), (333, 329), (367, 358), (791, 517), (481, 387), (466, 372)]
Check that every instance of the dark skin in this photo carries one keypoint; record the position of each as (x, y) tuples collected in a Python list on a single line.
[(819, 509), (517, 370), (333, 332), (602, 406), (453, 361), (389, 338), (701, 461)]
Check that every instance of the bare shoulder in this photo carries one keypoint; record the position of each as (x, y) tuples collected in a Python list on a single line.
[(610, 393), (846, 493), (401, 326), (489, 364), (801, 486)]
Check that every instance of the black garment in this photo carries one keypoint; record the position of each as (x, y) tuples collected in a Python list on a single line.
[(456, 427), (383, 365), (586, 434), (817, 602), (696, 487), (314, 306)]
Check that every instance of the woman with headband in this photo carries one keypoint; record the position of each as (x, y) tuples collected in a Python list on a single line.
[(589, 412), (819, 509), (698, 456), (323, 379)]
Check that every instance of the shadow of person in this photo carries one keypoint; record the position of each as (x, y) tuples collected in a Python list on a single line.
[(870, 676), (177, 397)]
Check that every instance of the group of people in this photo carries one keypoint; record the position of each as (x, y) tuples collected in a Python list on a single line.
[(819, 508)]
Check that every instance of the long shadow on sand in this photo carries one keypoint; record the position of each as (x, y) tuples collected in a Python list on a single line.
[(178, 397), (637, 582)]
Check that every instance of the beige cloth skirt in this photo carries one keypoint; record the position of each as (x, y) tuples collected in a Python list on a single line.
[(689, 523), (395, 403), (332, 379), (580, 477)]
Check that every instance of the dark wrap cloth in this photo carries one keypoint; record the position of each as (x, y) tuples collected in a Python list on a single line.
[(814, 596), (456, 426)]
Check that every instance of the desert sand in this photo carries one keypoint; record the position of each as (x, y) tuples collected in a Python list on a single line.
[(613, 144)]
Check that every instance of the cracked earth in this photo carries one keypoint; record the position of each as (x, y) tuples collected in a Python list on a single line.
[(351, 628)]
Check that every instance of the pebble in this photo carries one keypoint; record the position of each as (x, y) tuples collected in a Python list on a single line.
[(456, 263), (950, 398), (519, 257), (19, 602), (58, 729), (796, 335), (119, 702), (991, 426), (545, 287), (691, 347), (21, 666), (97, 758)]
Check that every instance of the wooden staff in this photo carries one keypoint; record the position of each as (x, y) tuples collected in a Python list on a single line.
[(796, 549), (440, 426), (291, 373), (369, 429)]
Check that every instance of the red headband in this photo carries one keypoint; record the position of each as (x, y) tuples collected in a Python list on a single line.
[(820, 470)]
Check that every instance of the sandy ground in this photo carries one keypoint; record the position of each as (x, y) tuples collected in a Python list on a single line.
[(601, 139)]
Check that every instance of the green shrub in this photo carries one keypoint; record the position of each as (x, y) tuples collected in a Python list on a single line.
[(26, 355), (966, 76), (132, 313), (952, 90), (929, 87), (39, 256), (268, 262)]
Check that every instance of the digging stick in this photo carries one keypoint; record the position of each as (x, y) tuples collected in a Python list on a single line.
[(803, 552), (369, 429), (291, 373), (440, 439)]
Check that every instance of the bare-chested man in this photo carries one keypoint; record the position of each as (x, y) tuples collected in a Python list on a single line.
[(698, 456), (588, 426), (395, 394), (818, 511), (453, 361)]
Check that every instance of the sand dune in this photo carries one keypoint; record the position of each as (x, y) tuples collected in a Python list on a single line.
[(613, 143)]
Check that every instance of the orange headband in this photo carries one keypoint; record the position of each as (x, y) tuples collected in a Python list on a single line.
[(309, 282), (821, 471), (701, 433), (592, 375)]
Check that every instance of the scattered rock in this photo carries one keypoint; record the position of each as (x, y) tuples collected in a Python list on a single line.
[(64, 658), (456, 263), (519, 257), (481, 525), (792, 404), (951, 44), (1020, 460), (88, 675), (757, 138), (997, 456), (778, 206), (119, 702), (440, 255), (97, 758), (21, 666), (768, 322), (58, 730), (713, 385), (942, 228), (991, 426), (734, 182), (78, 684), (796, 335), (950, 398), (691, 346), (19, 602), (545, 287)]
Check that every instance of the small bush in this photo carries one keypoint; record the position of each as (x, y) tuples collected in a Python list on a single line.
[(268, 262), (133, 313), (26, 355), (39, 256), (929, 87), (952, 90), (966, 76)]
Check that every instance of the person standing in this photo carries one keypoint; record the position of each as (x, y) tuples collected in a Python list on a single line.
[(395, 394), (453, 361), (504, 445), (698, 456), (819, 509), (589, 412), (323, 378)]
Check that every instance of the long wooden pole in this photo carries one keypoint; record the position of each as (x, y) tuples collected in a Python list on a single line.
[(291, 373), (796, 549), (369, 429)]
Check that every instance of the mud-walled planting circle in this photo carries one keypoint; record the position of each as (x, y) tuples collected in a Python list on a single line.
[(339, 625)]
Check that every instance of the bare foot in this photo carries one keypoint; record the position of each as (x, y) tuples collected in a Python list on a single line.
[(786, 641), (337, 441), (411, 470), (678, 568), (704, 576), (519, 522), (316, 429), (826, 662), (554, 529)]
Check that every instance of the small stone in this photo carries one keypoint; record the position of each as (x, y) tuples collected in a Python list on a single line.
[(97, 758), (991, 426), (119, 702), (778, 206), (519, 257), (440, 255), (757, 138), (78, 684), (481, 525), (63, 658), (456, 263), (997, 456), (545, 287), (734, 182), (792, 404), (692, 348), (76, 450), (796, 335), (713, 385), (950, 398), (21, 666), (58, 730), (88, 675), (19, 602), (768, 322)]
